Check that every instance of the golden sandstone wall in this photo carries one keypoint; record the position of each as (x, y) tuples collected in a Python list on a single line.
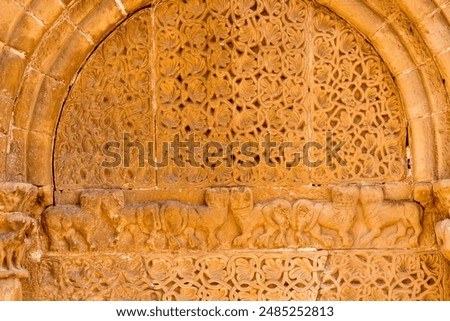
[(108, 110)]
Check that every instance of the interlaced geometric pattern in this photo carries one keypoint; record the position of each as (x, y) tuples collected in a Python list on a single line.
[(235, 72), (320, 275), (373, 276), (110, 98), (213, 276)]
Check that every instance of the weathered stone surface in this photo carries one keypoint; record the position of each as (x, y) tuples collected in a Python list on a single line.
[(391, 275), (9, 15), (76, 75), (13, 65), (46, 11), (10, 289), (6, 107), (27, 34)]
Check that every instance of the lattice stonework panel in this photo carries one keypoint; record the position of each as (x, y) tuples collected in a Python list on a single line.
[(345, 275), (110, 100), (228, 73), (389, 275)]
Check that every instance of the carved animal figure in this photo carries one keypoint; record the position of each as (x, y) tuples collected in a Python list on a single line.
[(72, 228), (380, 213), (16, 230), (261, 224), (310, 217), (137, 224), (189, 226), (443, 237)]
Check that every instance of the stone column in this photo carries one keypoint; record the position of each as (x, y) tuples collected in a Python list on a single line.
[(20, 205)]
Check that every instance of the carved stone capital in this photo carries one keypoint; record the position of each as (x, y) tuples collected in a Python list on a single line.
[(441, 192), (20, 204)]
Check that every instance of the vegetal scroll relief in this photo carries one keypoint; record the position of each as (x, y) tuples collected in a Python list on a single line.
[(247, 275), (227, 72)]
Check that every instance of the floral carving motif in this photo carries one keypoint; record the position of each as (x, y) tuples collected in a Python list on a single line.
[(109, 99), (340, 275), (253, 60), (395, 276), (233, 71), (247, 276)]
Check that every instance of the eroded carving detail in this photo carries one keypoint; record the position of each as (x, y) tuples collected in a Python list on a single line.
[(261, 225), (212, 276), (90, 226), (443, 237), (195, 226), (232, 72), (393, 276), (16, 231), (380, 214), (230, 218), (137, 226), (309, 218), (110, 102)]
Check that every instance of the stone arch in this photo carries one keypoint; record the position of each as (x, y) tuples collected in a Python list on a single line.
[(68, 37), (30, 163)]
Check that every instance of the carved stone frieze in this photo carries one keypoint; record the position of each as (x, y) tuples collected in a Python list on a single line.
[(230, 219), (322, 275)]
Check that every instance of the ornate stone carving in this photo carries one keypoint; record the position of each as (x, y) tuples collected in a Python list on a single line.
[(201, 276), (137, 226), (109, 102), (392, 275), (18, 203), (85, 227), (261, 225), (309, 218), (232, 73), (380, 214), (229, 218), (334, 275), (195, 226), (443, 237), (16, 231)]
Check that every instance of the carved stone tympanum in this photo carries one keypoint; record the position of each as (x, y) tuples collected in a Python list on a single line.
[(231, 72)]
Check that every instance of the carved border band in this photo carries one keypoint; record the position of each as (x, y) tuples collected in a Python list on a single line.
[(337, 275)]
